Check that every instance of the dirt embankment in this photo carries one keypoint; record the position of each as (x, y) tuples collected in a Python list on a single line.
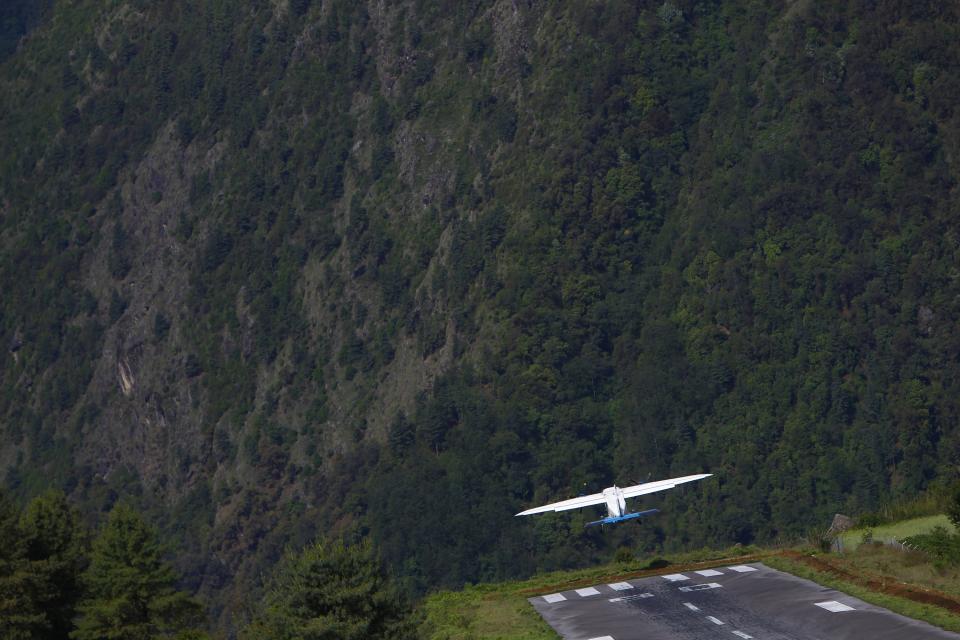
[(881, 584)]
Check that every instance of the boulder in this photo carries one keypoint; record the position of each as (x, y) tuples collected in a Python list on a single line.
[(841, 523)]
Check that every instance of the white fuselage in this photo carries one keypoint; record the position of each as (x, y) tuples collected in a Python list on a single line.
[(616, 503)]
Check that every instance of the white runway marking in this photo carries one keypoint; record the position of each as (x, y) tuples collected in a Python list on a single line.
[(603, 638), (742, 635), (554, 597), (639, 596), (676, 577), (714, 620), (833, 606), (701, 587), (589, 591), (742, 568), (709, 573), (690, 606), (620, 586)]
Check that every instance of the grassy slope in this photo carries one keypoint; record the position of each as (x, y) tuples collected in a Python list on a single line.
[(895, 530), (928, 613), (910, 568), (500, 611), (484, 612)]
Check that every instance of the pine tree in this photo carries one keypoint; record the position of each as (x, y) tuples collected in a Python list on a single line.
[(55, 545), (953, 508), (332, 592), (401, 435), (19, 614), (129, 591)]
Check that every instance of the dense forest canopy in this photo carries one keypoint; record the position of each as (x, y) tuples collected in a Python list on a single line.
[(278, 269), (17, 18)]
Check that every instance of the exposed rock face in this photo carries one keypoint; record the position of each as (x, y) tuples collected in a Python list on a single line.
[(178, 400), (841, 523), (16, 341)]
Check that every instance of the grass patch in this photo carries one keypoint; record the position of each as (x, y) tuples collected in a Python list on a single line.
[(928, 613), (912, 568), (485, 611), (895, 530)]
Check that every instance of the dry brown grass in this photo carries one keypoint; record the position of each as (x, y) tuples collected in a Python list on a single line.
[(914, 568)]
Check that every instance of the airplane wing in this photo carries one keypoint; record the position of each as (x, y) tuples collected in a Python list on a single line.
[(628, 492), (572, 503), (660, 485)]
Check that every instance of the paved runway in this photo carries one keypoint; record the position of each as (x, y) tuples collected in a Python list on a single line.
[(738, 601)]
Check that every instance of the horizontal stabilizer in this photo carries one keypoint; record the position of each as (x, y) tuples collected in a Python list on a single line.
[(623, 518)]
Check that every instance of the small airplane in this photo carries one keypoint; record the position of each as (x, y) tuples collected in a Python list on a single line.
[(615, 499)]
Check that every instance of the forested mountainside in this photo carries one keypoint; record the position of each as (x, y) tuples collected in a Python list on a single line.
[(17, 17), (288, 268)]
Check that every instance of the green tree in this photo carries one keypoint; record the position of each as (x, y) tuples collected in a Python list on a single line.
[(19, 614), (129, 591), (332, 591), (953, 508), (54, 544)]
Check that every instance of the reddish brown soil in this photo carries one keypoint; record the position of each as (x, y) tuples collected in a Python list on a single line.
[(880, 584)]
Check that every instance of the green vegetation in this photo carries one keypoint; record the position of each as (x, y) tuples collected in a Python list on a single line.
[(274, 271), (129, 590), (485, 611), (900, 531), (901, 567), (871, 566), (929, 613), (939, 542), (55, 546), (943, 540), (953, 506), (937, 500), (53, 585), (19, 613), (332, 590), (501, 610), (17, 18), (934, 535)]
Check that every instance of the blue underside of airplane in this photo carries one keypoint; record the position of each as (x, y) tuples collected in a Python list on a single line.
[(623, 518)]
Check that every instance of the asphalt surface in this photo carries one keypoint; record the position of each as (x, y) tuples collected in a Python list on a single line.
[(745, 601)]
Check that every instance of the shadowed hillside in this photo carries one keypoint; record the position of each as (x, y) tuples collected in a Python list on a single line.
[(282, 268)]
